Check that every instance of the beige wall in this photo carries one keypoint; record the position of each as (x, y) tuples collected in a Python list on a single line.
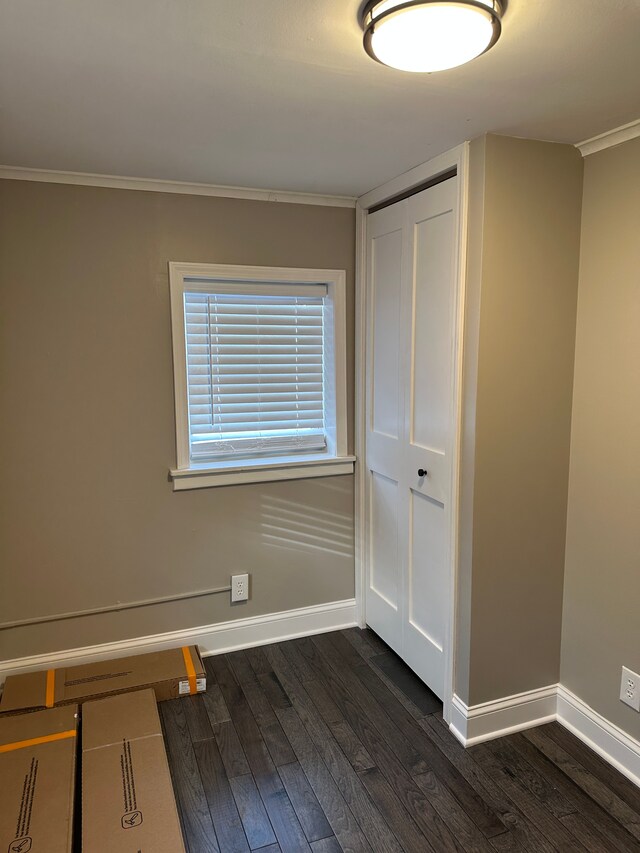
[(87, 514), (601, 622), (519, 352)]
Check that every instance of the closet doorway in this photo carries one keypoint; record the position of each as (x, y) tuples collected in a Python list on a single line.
[(411, 429)]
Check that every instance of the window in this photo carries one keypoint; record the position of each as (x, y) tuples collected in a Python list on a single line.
[(259, 371)]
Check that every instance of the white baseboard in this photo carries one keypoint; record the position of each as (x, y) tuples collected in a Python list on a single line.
[(610, 742), (491, 720), (212, 639)]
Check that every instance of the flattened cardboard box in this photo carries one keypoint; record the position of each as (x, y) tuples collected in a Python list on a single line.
[(128, 804), (37, 779), (171, 673)]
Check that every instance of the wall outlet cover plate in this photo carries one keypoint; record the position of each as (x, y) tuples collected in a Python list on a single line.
[(630, 688), (239, 588)]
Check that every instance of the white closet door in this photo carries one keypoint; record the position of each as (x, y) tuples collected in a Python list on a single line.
[(385, 423), (412, 325), (428, 429)]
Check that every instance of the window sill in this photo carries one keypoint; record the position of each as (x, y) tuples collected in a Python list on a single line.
[(232, 473)]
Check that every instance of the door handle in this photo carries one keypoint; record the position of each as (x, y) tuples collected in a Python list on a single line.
[(422, 472)]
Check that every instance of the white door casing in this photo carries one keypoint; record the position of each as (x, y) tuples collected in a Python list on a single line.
[(412, 266)]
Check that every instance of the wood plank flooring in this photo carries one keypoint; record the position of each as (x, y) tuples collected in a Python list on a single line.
[(330, 743)]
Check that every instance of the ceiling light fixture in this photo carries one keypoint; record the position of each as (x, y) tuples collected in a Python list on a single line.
[(430, 35)]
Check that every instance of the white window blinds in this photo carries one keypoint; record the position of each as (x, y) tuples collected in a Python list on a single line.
[(255, 369)]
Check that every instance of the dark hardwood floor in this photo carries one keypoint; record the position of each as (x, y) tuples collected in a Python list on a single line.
[(330, 743)]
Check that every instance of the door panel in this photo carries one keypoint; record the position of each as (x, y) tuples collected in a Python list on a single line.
[(430, 391), (384, 538), (386, 260), (410, 346), (427, 589), (384, 599)]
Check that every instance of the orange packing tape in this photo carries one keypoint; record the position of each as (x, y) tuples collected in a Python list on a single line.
[(51, 683), (191, 672), (35, 741)]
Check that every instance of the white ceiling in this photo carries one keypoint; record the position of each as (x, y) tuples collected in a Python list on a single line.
[(280, 94)]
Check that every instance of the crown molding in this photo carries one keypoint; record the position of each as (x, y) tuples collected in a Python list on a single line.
[(86, 179), (609, 139)]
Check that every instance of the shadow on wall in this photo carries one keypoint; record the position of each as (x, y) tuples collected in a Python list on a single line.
[(300, 527)]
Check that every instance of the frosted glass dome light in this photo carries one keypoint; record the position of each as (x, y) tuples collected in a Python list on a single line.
[(430, 35)]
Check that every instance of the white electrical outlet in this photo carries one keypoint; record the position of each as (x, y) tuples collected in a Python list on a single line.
[(630, 688), (239, 587)]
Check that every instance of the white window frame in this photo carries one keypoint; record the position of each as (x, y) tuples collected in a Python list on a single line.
[(335, 460)]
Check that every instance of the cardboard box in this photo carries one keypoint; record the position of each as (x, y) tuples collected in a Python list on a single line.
[(37, 779), (171, 673), (128, 804)]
